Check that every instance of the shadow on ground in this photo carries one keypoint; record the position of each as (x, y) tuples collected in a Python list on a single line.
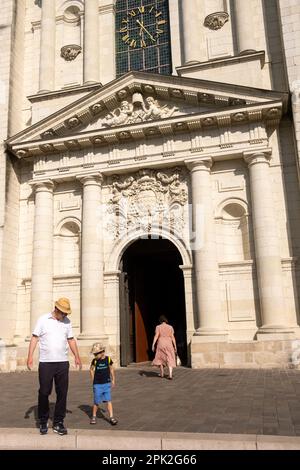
[(33, 410)]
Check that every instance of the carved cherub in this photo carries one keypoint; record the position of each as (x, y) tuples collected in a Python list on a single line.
[(120, 115), (155, 111)]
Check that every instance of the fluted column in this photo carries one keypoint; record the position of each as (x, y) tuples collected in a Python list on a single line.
[(91, 42), (210, 316), (92, 314), (42, 252), (193, 41), (266, 241), (47, 47)]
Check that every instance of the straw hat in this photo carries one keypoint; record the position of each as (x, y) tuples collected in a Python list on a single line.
[(63, 305), (97, 347)]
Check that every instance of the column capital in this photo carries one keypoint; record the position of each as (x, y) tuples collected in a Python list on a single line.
[(204, 164), (42, 185), (253, 158), (92, 179)]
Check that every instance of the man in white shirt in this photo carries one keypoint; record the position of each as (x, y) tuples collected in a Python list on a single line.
[(54, 333)]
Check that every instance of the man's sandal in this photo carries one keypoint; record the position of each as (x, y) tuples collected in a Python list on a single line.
[(113, 421)]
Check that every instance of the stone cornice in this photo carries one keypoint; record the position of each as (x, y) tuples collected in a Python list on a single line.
[(178, 91), (64, 91), (229, 118), (257, 55), (105, 168)]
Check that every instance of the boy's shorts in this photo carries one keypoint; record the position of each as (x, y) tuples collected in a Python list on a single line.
[(101, 393)]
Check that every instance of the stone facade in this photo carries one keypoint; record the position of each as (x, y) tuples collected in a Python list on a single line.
[(200, 165)]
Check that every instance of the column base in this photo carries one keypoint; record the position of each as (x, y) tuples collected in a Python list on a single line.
[(211, 334), (192, 62), (247, 51), (276, 332), (279, 353), (85, 343), (91, 82), (92, 337), (44, 91)]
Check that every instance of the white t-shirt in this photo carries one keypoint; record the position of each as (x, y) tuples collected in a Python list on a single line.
[(53, 338)]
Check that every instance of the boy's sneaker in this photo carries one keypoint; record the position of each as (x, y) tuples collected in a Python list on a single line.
[(43, 428), (93, 420), (60, 429), (113, 421)]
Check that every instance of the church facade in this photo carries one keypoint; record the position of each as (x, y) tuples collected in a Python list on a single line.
[(149, 165)]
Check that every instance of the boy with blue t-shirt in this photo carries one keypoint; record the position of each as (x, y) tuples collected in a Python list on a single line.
[(103, 375)]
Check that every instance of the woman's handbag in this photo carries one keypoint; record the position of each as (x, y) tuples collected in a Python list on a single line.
[(178, 361)]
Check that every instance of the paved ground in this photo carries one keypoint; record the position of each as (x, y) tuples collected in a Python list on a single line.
[(205, 401)]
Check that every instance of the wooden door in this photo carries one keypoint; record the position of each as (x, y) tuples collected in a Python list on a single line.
[(140, 316), (124, 320)]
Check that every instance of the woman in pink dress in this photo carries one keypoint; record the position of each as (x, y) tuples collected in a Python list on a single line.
[(165, 348)]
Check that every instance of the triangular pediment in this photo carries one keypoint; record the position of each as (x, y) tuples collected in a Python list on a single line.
[(141, 105)]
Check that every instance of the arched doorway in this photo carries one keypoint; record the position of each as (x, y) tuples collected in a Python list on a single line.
[(151, 284)]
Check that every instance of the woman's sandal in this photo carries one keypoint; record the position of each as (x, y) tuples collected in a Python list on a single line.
[(113, 421)]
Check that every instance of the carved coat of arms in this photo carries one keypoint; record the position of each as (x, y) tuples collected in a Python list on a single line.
[(146, 199)]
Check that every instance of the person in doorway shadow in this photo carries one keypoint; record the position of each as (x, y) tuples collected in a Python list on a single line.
[(165, 348)]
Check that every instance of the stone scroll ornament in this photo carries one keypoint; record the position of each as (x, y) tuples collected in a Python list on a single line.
[(139, 110), (147, 198)]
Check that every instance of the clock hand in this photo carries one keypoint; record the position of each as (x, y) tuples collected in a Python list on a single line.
[(146, 30)]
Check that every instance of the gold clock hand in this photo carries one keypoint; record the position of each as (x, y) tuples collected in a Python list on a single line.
[(146, 30)]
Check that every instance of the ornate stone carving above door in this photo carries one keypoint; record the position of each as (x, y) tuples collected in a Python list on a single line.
[(147, 198)]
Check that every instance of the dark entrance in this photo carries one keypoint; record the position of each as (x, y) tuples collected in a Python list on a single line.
[(151, 285)]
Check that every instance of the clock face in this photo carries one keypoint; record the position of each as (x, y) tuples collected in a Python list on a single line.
[(142, 26)]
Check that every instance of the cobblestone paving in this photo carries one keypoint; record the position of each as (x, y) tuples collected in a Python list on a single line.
[(212, 400)]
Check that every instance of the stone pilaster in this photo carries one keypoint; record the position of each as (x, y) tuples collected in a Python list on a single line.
[(192, 31), (91, 42), (47, 47), (42, 252), (250, 29), (267, 247), (92, 291), (209, 314), (107, 17)]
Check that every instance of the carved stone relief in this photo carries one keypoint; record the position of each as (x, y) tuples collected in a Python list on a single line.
[(138, 110), (146, 199), (70, 52), (216, 20)]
